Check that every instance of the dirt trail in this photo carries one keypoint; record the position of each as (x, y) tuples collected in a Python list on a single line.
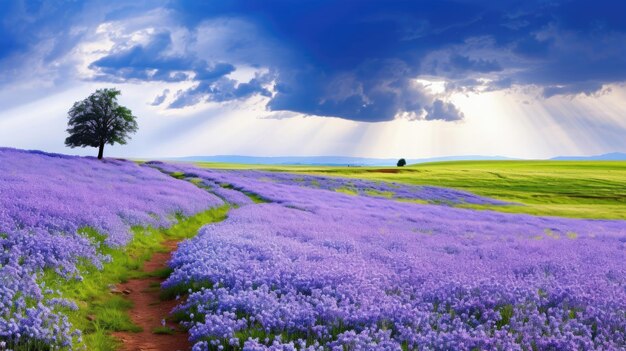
[(149, 310)]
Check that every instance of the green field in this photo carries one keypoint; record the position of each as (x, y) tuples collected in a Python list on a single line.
[(582, 189)]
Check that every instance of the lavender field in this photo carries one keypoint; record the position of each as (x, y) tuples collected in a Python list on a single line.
[(46, 202), (315, 269), (283, 175), (302, 264)]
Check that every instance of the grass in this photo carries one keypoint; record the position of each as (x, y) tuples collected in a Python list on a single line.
[(100, 312), (163, 331), (580, 189), (348, 191), (256, 198)]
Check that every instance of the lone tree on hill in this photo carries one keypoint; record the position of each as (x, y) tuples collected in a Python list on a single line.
[(99, 120), (401, 162)]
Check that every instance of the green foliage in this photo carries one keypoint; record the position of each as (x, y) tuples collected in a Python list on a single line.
[(506, 313), (401, 162), (99, 120)]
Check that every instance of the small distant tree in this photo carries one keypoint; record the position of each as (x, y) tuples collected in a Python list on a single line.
[(401, 162), (100, 120)]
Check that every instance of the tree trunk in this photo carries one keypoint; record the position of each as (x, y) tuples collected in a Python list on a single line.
[(100, 150)]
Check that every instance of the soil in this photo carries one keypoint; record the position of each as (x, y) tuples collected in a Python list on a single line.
[(149, 310)]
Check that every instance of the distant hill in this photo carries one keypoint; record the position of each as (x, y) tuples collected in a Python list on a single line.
[(364, 161), (327, 160), (613, 156)]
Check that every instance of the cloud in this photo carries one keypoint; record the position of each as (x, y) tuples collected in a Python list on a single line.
[(158, 100), (352, 60), (185, 98), (443, 111), (530, 43), (577, 62), (219, 90), (531, 47), (464, 63), (144, 62), (379, 96), (586, 88), (155, 60)]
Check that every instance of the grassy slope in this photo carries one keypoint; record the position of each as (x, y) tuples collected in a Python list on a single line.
[(585, 189), (101, 312)]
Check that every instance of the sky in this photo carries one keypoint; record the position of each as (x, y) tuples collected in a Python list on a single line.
[(414, 79)]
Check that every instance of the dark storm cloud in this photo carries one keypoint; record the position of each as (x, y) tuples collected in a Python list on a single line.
[(357, 59), (464, 63), (345, 49), (9, 41)]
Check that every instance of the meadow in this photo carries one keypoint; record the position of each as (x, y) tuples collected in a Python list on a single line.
[(578, 189), (316, 258), (316, 268)]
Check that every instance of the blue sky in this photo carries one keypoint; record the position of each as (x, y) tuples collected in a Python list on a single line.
[(528, 79)]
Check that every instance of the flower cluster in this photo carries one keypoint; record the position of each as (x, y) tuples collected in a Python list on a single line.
[(46, 202), (398, 191), (321, 270)]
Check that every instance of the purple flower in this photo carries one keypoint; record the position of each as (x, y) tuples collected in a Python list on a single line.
[(57, 211), (329, 271)]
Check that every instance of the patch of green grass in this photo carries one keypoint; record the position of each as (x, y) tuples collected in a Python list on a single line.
[(161, 273), (99, 339), (163, 330), (581, 189), (196, 181), (386, 194), (100, 311), (506, 313), (256, 198), (178, 175), (111, 314), (348, 191), (586, 189), (414, 201), (155, 285)]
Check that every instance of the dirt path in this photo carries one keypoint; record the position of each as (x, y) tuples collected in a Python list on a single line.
[(149, 310)]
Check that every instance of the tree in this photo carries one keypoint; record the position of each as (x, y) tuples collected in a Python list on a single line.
[(401, 162), (99, 120)]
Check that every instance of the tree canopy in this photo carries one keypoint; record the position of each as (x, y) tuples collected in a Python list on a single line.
[(99, 120), (401, 162)]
